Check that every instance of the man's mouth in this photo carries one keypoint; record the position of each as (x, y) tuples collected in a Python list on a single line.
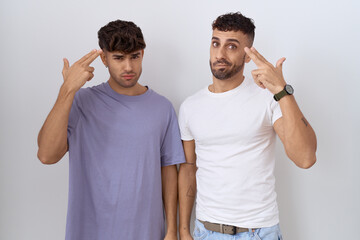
[(222, 63), (128, 76)]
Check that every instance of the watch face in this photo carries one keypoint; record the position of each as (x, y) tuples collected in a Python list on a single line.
[(289, 89)]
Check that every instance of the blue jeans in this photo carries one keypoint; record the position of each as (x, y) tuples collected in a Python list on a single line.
[(266, 233)]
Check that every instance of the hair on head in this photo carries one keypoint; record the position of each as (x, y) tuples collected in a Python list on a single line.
[(235, 22), (121, 36)]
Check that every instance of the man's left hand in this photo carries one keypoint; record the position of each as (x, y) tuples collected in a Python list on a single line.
[(267, 76)]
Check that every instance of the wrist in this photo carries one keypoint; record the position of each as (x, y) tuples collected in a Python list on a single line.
[(286, 91), (67, 90), (184, 231), (279, 88), (171, 225), (171, 232), (184, 234)]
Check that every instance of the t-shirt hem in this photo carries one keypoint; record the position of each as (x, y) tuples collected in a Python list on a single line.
[(276, 118), (242, 224), (179, 161), (187, 138)]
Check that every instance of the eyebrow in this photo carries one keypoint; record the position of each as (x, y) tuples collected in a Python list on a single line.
[(117, 55), (135, 54), (232, 40), (122, 55), (227, 40)]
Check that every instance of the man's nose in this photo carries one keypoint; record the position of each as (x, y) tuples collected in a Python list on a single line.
[(220, 53), (128, 65)]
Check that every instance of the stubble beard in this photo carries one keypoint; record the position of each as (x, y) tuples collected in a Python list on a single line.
[(222, 73)]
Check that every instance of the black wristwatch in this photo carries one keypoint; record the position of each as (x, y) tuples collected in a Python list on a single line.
[(288, 90)]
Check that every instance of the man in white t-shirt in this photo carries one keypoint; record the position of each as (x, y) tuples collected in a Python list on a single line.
[(229, 131)]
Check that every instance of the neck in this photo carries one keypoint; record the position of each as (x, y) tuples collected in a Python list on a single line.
[(220, 86), (135, 90)]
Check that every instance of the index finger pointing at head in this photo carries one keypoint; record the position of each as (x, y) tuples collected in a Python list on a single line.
[(261, 57), (92, 57), (255, 57), (81, 60)]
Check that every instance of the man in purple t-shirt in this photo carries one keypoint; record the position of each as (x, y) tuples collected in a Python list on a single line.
[(123, 142)]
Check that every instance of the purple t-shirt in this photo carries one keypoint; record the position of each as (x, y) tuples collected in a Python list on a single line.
[(117, 146)]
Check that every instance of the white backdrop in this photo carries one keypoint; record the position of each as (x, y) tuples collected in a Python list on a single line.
[(320, 40)]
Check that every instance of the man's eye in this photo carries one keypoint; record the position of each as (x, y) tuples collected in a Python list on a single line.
[(135, 56), (215, 44), (119, 58), (232, 47)]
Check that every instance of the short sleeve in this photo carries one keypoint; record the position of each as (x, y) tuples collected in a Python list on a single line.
[(183, 123), (276, 111), (74, 116), (172, 151)]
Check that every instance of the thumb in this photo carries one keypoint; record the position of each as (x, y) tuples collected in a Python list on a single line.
[(66, 64), (280, 62)]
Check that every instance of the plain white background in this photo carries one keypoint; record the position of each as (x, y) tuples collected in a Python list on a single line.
[(320, 40)]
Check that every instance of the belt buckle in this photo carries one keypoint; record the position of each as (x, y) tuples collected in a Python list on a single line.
[(228, 228)]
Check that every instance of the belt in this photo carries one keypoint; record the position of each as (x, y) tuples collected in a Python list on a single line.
[(223, 228)]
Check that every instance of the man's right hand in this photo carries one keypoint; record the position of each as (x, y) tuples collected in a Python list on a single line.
[(80, 72), (52, 139), (186, 236)]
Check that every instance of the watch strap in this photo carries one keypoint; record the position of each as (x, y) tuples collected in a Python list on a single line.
[(280, 95)]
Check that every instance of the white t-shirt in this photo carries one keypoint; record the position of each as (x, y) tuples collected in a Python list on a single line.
[(235, 148)]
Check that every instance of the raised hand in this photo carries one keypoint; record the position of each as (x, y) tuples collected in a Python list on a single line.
[(76, 75), (267, 76)]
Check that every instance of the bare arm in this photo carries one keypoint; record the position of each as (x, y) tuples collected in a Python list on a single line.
[(52, 138), (295, 132), (169, 176), (187, 189)]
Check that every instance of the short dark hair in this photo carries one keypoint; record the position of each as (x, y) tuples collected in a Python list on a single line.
[(122, 36), (235, 22)]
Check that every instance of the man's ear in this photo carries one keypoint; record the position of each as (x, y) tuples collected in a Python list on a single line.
[(103, 58)]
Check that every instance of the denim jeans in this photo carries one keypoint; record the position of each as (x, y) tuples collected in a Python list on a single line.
[(266, 233)]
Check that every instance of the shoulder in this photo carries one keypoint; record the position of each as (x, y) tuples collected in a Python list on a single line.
[(263, 94), (88, 91), (86, 95), (263, 99), (159, 100), (195, 99)]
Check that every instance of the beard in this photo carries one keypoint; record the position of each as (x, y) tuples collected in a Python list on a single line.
[(223, 73)]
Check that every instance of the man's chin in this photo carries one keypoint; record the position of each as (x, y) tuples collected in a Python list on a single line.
[(221, 75), (226, 73), (127, 83)]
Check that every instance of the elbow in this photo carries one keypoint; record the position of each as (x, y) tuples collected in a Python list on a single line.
[(44, 159), (187, 172), (304, 157), (307, 162)]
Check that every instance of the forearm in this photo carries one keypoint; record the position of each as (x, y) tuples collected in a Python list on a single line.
[(187, 194), (52, 138), (293, 129), (169, 187), (299, 137)]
